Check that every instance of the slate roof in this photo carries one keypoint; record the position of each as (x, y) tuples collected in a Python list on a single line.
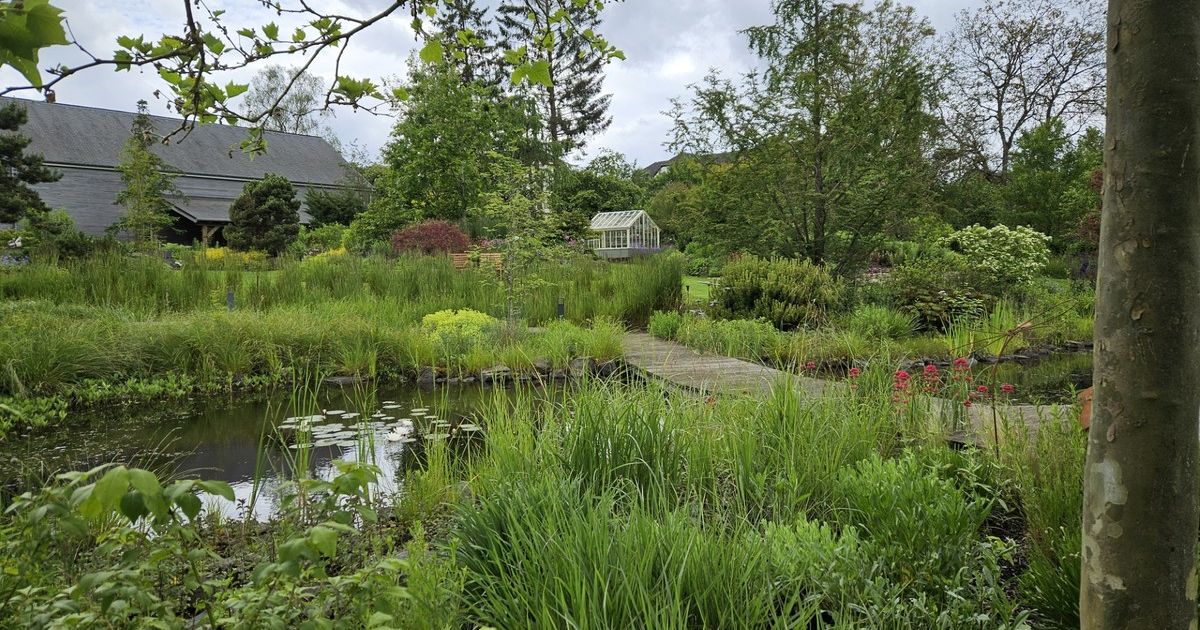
[(709, 158), (619, 220), (89, 136)]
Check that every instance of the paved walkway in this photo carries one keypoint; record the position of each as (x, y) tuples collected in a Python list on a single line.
[(710, 374)]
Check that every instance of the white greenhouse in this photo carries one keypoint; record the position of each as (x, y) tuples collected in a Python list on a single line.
[(621, 235)]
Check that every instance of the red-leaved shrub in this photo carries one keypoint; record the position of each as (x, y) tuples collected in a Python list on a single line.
[(431, 237)]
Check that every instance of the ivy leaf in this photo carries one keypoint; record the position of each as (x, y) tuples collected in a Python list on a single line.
[(432, 52)]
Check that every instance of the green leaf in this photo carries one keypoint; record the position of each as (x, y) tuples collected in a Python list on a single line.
[(430, 11), (248, 33), (217, 488), (144, 481), (235, 89), (133, 506), (400, 94), (213, 43), (106, 493), (44, 22), (271, 31), (323, 539), (432, 52), (190, 504), (539, 72), (298, 35)]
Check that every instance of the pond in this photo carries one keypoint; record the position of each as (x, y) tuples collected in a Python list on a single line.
[(1054, 379), (255, 442)]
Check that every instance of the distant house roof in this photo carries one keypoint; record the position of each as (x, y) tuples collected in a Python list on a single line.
[(619, 220), (89, 136), (664, 165), (85, 144)]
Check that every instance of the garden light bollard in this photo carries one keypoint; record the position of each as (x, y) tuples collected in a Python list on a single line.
[(562, 308), (229, 298)]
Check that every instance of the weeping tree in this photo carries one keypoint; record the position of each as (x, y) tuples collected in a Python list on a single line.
[(1140, 514)]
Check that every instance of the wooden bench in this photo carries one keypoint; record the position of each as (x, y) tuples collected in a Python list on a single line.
[(462, 261)]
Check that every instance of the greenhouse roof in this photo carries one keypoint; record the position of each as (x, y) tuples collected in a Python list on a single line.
[(615, 220)]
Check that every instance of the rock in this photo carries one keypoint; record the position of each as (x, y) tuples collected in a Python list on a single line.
[(542, 366), (558, 375), (346, 381), (495, 374), (427, 376), (468, 379), (606, 369), (452, 380), (439, 380), (580, 366)]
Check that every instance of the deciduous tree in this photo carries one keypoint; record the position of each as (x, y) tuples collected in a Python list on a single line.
[(830, 140), (1141, 486), (148, 180), (1016, 64)]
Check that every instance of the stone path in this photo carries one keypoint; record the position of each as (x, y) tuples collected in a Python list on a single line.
[(711, 374)]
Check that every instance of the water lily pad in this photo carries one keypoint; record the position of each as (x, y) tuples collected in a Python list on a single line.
[(437, 436), (335, 412), (350, 415)]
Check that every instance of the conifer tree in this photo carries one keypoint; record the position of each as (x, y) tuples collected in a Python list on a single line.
[(18, 170), (478, 59), (571, 101)]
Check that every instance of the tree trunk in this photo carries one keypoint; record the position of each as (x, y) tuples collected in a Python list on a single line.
[(1141, 483)]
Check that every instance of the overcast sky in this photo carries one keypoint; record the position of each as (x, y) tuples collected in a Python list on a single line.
[(669, 44)]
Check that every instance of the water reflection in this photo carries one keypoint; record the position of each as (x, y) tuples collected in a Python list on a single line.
[(252, 442)]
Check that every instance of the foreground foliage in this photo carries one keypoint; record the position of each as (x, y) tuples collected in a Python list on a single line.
[(611, 506)]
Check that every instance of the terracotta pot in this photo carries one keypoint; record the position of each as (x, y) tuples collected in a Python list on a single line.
[(1085, 408)]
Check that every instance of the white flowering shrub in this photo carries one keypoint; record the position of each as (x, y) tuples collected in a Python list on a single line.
[(1001, 259)]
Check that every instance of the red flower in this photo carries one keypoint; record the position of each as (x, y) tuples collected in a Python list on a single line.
[(967, 402), (931, 369), (1007, 388), (901, 375), (810, 365), (982, 389), (855, 372), (961, 364)]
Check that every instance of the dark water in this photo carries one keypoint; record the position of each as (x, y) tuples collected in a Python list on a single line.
[(247, 439), (1053, 379)]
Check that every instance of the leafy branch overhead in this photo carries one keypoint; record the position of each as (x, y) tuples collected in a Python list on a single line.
[(193, 62)]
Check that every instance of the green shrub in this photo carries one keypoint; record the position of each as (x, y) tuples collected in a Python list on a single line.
[(787, 293), (1001, 260), (265, 217), (920, 526), (322, 238), (936, 292), (665, 325), (457, 330), (880, 322)]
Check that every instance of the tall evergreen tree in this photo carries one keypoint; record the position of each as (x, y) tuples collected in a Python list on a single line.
[(571, 102), (18, 170), (477, 57), (148, 180)]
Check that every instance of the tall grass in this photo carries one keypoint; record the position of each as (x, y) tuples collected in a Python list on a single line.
[(408, 287)]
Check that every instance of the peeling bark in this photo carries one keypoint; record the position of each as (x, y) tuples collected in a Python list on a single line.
[(1140, 516)]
